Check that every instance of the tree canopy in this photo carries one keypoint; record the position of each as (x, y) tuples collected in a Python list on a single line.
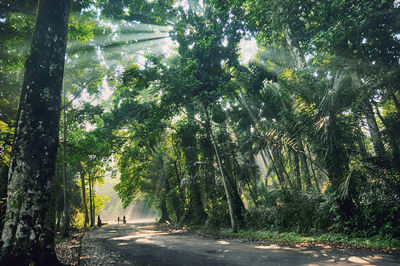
[(302, 137)]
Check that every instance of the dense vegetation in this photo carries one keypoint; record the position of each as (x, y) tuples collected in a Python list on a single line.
[(317, 109), (304, 137)]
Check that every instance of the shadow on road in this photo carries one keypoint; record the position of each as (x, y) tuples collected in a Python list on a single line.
[(141, 243)]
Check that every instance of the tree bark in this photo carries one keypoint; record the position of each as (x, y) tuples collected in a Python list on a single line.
[(28, 235), (93, 211), (195, 212), (164, 210), (296, 162), (304, 164), (91, 201), (376, 138), (294, 48), (313, 170), (224, 181), (66, 218), (85, 208)]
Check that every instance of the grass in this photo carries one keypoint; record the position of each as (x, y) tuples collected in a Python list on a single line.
[(336, 240)]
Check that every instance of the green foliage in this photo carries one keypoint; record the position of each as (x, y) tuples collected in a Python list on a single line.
[(157, 12), (299, 105), (80, 29), (307, 133)]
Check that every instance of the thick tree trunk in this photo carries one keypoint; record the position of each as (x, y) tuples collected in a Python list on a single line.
[(28, 233), (164, 211), (162, 188), (195, 212)]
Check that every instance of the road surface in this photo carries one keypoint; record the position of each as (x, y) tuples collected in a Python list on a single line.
[(144, 244)]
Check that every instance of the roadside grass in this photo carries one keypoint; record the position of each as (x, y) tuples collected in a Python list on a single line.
[(387, 244), (378, 242)]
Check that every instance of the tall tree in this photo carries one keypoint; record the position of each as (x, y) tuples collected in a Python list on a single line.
[(28, 234)]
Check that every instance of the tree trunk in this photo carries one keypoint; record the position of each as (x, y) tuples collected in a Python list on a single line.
[(91, 202), (280, 168), (177, 199), (376, 138), (195, 212), (278, 172), (58, 221), (85, 209), (28, 233), (65, 229), (395, 100), (238, 203), (294, 48), (93, 211), (263, 157), (304, 165), (313, 170), (164, 211), (293, 44), (296, 162), (227, 193)]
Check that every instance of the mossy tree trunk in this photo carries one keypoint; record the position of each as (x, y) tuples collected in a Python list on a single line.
[(28, 235)]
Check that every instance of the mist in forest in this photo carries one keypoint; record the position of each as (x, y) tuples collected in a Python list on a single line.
[(113, 208)]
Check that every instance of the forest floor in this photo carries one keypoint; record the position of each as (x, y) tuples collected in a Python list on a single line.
[(151, 244), (68, 249)]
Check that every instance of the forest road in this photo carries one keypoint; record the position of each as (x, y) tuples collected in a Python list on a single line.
[(144, 244)]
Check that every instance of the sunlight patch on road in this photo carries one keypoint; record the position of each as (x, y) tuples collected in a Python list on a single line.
[(358, 260), (274, 247), (268, 247), (222, 242), (150, 241), (129, 237)]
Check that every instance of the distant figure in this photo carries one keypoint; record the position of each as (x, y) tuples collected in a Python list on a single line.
[(118, 219), (124, 220), (98, 221)]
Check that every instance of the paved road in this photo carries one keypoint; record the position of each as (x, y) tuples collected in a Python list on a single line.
[(144, 244)]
